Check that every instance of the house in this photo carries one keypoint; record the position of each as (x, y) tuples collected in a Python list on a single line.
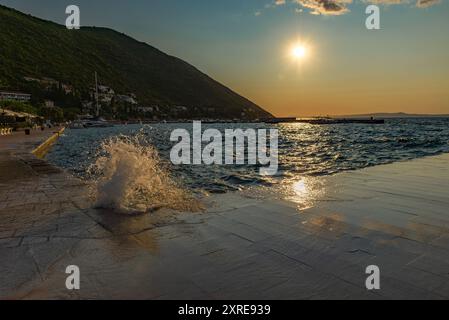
[(68, 89), (127, 99), (87, 106), (31, 79), (49, 104), (180, 108), (105, 94), (49, 83), (176, 110), (145, 109), (14, 96)]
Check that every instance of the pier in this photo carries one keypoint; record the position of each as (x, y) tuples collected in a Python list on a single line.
[(325, 121)]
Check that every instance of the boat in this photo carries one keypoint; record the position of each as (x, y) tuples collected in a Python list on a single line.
[(77, 125), (97, 122), (89, 121)]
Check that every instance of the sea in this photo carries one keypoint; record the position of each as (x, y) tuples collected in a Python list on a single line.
[(305, 150)]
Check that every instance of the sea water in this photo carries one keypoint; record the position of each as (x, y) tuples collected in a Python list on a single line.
[(125, 160)]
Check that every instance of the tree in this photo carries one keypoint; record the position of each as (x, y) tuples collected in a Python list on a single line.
[(55, 114), (17, 106)]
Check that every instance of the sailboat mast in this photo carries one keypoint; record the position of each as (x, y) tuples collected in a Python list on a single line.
[(96, 95)]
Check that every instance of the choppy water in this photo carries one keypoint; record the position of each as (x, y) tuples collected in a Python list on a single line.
[(303, 149)]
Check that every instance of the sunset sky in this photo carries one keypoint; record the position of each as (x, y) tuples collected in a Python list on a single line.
[(247, 45)]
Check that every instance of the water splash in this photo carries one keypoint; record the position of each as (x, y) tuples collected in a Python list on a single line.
[(131, 178)]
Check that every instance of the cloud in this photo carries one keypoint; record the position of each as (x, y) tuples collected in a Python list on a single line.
[(340, 7), (325, 7), (387, 2), (419, 3), (427, 3)]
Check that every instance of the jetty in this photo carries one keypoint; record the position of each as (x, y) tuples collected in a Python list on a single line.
[(324, 121)]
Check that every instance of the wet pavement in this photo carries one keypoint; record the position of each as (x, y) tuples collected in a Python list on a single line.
[(317, 245)]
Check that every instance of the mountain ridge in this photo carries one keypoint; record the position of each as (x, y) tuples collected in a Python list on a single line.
[(34, 47)]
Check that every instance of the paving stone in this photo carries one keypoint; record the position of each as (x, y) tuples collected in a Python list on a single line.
[(249, 247)]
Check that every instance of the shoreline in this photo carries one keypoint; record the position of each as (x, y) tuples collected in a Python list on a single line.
[(242, 246)]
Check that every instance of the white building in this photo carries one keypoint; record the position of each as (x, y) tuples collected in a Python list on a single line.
[(105, 94), (127, 99), (145, 109), (180, 108), (49, 104), (14, 96)]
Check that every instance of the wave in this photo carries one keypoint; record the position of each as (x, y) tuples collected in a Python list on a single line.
[(129, 177), (303, 151)]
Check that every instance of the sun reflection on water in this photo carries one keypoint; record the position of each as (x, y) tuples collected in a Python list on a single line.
[(305, 191)]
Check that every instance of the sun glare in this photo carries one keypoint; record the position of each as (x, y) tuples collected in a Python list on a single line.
[(299, 52)]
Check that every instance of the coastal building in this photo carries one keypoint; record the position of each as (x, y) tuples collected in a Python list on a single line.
[(180, 108), (46, 82), (49, 104), (49, 83), (177, 110), (105, 94), (145, 109), (87, 106), (14, 96), (31, 79), (68, 89), (126, 98)]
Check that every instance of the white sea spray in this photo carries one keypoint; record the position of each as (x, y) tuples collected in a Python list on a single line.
[(129, 177)]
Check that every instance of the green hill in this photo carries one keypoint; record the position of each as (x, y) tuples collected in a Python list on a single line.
[(32, 47)]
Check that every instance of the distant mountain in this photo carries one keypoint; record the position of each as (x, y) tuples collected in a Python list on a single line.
[(31, 47), (393, 115)]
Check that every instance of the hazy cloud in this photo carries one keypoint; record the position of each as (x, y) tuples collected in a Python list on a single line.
[(427, 3), (387, 2), (419, 3), (340, 7), (327, 7)]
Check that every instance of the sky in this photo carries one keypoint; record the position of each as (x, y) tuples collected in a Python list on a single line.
[(248, 46)]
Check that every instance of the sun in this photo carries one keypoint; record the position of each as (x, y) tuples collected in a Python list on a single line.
[(299, 51)]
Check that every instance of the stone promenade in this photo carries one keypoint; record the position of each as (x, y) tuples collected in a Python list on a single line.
[(316, 245)]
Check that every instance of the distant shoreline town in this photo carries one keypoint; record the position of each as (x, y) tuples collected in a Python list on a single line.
[(48, 93), (52, 101), (55, 101)]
